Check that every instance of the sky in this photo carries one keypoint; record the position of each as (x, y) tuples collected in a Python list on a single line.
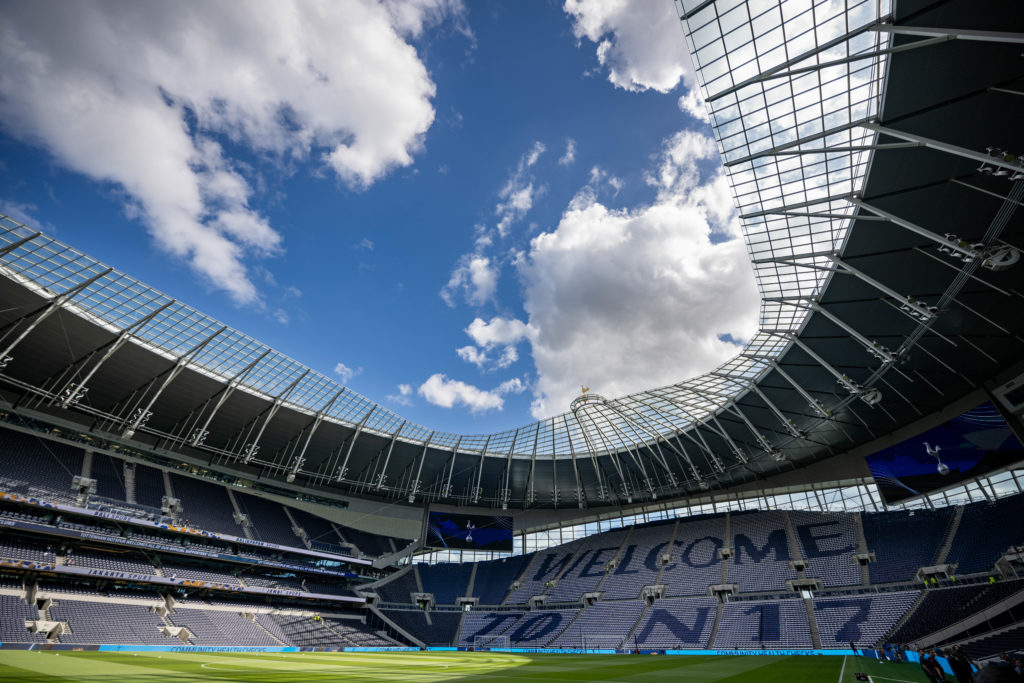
[(463, 211)]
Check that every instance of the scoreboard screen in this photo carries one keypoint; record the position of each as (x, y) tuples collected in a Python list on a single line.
[(456, 531)]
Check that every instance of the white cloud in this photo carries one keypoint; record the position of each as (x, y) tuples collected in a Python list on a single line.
[(498, 331), (404, 395), (570, 153), (365, 244), (511, 386), (476, 277), (519, 192), (626, 300), (640, 43), (509, 356), (692, 103), (281, 316), (444, 392), (135, 94), (345, 373), (472, 354)]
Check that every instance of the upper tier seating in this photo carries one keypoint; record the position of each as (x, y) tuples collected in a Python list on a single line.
[(862, 619), (543, 569), (695, 564), (318, 529), (761, 552), (588, 567), (372, 545), (34, 466), (770, 624), (975, 548), (269, 521), (398, 588), (446, 581), (149, 485), (828, 541), (904, 541), (109, 475), (205, 505), (638, 561), (493, 578)]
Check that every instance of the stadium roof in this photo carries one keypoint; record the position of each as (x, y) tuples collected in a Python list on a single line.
[(872, 155)]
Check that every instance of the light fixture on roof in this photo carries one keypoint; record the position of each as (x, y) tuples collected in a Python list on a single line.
[(198, 437)]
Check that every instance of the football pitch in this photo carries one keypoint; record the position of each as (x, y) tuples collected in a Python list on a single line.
[(436, 667)]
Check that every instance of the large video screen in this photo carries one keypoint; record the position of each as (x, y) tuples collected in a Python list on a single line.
[(453, 531), (965, 447)]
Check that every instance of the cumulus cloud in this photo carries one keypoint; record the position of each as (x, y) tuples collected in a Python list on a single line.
[(476, 277), (404, 395), (569, 157), (498, 330), (447, 393), (625, 300), (345, 373), (500, 334), (640, 43), (692, 103), (472, 354), (140, 94)]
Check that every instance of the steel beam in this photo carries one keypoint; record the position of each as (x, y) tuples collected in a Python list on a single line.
[(44, 312)]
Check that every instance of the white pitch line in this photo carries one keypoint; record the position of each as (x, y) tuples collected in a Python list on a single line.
[(842, 669)]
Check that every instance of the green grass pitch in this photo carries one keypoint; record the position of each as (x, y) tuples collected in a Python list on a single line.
[(435, 667)]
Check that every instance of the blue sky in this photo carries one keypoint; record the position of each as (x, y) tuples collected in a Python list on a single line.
[(461, 211)]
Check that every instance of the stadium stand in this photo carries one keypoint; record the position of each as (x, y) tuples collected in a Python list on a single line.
[(109, 475), (107, 622), (440, 631), (446, 581), (398, 587), (118, 561), (828, 541), (601, 625), (15, 613), (754, 624), (269, 522), (1009, 640), (675, 623), (215, 627), (942, 607), (301, 630), (543, 570), (480, 624), (638, 564), (975, 548), (35, 466), (904, 541), (175, 570), (149, 486), (761, 552), (205, 505), (862, 620), (588, 568), (495, 577)]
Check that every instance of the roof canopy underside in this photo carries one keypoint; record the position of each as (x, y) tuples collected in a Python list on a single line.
[(863, 145)]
